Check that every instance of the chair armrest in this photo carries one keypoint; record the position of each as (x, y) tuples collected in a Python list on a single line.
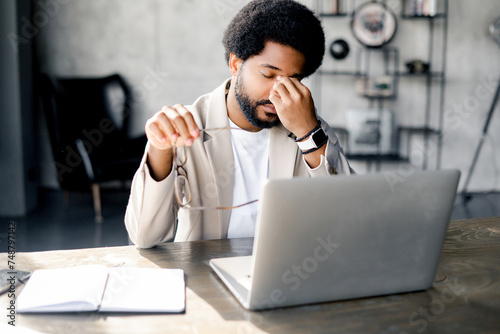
[(85, 159)]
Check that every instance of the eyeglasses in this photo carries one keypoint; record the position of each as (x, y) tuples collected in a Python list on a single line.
[(182, 187)]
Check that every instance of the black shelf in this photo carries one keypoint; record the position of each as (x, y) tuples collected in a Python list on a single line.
[(379, 97), (420, 130), (334, 15), (382, 157), (427, 17), (423, 74), (348, 73), (401, 74)]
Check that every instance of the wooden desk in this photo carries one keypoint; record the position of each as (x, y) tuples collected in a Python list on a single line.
[(465, 297)]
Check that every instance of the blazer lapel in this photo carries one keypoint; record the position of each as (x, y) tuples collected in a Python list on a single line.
[(220, 154), (282, 153)]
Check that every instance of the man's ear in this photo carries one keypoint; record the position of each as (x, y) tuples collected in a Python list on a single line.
[(234, 64)]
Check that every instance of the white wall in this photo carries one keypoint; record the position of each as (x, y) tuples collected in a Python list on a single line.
[(18, 186), (170, 51), (12, 183), (473, 59)]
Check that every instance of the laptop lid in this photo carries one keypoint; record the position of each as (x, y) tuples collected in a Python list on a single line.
[(333, 238)]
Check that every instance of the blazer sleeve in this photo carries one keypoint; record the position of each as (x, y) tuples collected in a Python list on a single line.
[(334, 161), (151, 219)]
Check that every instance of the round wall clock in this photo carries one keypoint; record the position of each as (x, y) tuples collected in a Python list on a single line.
[(373, 24)]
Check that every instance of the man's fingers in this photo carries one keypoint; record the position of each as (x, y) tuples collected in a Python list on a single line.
[(275, 100), (164, 123), (192, 128), (153, 128), (184, 127), (159, 131), (293, 103), (282, 92), (173, 125), (292, 87)]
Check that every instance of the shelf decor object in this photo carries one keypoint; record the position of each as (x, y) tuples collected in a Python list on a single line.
[(380, 86), (417, 66), (424, 8), (339, 49), (333, 8), (336, 7), (371, 131), (373, 24)]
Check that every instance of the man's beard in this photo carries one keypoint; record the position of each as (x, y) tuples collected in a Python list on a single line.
[(249, 106)]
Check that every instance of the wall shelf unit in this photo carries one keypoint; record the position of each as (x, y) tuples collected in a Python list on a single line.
[(429, 72)]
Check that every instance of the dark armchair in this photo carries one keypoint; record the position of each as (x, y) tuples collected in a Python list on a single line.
[(88, 120)]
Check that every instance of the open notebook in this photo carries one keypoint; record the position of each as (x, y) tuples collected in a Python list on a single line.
[(102, 289)]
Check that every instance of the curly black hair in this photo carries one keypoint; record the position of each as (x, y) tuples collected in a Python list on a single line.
[(286, 22)]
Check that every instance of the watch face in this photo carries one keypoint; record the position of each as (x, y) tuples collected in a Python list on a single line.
[(373, 24)]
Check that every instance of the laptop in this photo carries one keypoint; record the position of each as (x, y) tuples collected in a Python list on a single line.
[(335, 238)]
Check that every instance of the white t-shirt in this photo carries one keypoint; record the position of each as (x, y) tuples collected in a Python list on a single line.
[(251, 170)]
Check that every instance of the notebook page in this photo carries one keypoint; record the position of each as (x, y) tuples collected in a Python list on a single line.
[(144, 290), (75, 289)]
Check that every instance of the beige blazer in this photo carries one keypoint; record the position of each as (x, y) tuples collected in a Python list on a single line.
[(153, 215)]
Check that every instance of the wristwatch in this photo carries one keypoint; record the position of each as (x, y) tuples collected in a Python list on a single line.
[(315, 140)]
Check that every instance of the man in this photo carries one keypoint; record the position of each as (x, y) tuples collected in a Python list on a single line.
[(259, 124)]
